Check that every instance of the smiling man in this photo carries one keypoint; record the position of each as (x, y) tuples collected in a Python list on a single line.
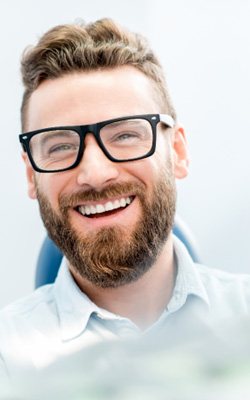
[(102, 149), (104, 212)]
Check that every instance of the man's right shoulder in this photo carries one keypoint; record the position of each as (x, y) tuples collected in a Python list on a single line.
[(27, 327), (40, 298)]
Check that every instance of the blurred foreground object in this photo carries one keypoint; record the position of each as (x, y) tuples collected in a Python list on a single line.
[(201, 366)]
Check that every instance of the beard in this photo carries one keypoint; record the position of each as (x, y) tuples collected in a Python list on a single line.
[(112, 256)]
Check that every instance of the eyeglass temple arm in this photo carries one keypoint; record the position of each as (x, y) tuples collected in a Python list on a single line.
[(167, 119)]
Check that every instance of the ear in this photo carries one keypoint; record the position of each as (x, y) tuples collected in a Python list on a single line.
[(181, 157), (30, 174)]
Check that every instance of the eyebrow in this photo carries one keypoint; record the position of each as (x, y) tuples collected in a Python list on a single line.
[(135, 121), (56, 133)]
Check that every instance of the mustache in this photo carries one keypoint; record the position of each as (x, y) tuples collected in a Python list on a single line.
[(119, 189)]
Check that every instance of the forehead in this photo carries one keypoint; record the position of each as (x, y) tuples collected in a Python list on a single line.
[(89, 97)]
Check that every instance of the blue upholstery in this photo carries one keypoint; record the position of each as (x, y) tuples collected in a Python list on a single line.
[(48, 263), (50, 256)]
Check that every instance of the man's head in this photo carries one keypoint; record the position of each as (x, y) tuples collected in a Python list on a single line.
[(111, 219)]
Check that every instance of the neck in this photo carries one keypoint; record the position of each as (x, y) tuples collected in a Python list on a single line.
[(142, 301)]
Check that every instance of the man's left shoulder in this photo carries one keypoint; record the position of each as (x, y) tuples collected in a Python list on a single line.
[(220, 276), (224, 287)]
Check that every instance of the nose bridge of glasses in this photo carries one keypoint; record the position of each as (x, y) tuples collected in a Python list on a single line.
[(91, 129), (95, 166)]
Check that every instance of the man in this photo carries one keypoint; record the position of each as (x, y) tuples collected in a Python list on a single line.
[(102, 149)]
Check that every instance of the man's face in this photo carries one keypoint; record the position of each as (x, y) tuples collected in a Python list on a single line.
[(113, 247)]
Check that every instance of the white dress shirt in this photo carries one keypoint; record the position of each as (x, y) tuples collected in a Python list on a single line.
[(59, 319)]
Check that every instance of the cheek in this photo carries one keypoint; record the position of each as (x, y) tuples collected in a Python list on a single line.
[(51, 186), (146, 171)]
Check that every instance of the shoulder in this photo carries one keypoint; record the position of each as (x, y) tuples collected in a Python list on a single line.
[(227, 293), (41, 298), (26, 327), (226, 289), (214, 275)]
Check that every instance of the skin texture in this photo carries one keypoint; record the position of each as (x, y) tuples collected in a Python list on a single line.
[(89, 97)]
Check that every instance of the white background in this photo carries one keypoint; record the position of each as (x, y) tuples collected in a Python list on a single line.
[(205, 49)]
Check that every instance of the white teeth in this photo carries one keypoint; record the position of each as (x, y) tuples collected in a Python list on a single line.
[(116, 204), (93, 210), (87, 210), (108, 206), (82, 210), (123, 203), (101, 208)]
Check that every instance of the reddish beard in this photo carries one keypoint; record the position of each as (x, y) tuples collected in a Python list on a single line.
[(112, 257)]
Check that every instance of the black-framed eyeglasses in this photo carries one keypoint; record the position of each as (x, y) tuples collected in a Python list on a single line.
[(121, 139)]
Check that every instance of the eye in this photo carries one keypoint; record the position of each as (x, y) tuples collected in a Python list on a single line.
[(126, 137), (62, 147)]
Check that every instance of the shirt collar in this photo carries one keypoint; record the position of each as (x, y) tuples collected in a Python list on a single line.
[(75, 308), (188, 281)]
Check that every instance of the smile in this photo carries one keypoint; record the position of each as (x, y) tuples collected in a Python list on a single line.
[(93, 209)]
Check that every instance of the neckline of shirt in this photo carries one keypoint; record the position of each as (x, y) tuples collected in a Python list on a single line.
[(75, 308)]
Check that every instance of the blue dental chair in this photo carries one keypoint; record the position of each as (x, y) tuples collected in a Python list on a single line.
[(50, 256)]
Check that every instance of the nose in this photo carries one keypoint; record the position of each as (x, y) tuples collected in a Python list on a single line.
[(95, 169)]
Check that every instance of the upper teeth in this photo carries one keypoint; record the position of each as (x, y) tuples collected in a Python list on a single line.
[(100, 208)]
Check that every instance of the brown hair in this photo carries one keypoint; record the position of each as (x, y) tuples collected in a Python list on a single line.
[(81, 47)]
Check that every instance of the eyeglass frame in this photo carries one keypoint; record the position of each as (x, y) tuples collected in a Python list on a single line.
[(83, 130)]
